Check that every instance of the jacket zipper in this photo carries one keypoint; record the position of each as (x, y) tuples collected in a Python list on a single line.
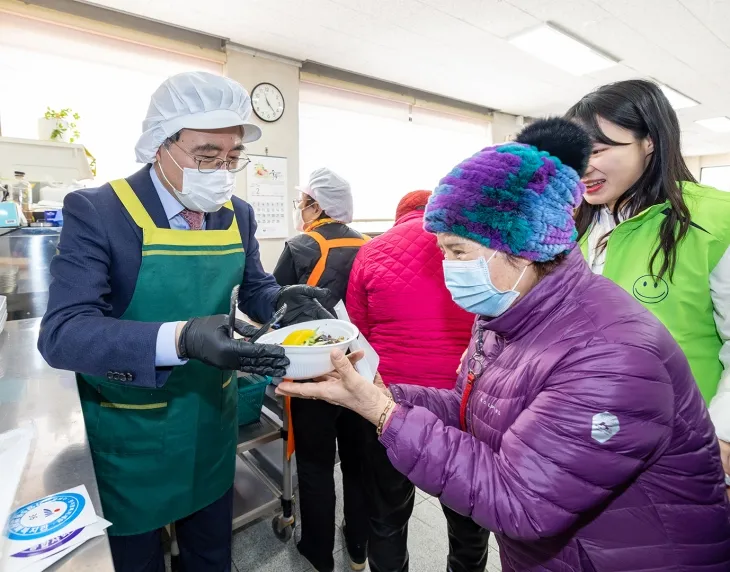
[(477, 365), (470, 377)]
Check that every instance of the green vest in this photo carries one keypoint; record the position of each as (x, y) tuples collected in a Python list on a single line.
[(163, 454), (683, 304)]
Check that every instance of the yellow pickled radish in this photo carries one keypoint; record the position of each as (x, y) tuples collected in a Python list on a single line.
[(298, 338)]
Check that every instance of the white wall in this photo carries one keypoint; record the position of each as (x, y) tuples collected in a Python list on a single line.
[(504, 127), (695, 165), (279, 139), (714, 160), (719, 178)]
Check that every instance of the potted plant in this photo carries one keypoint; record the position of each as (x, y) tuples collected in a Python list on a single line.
[(59, 126)]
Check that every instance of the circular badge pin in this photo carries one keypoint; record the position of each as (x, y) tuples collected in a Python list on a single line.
[(44, 517)]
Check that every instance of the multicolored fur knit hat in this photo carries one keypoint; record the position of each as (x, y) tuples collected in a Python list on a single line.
[(518, 197)]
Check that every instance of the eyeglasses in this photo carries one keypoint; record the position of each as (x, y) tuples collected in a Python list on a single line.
[(297, 202), (212, 164)]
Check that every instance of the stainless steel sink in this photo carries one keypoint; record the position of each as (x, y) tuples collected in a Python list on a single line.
[(25, 258)]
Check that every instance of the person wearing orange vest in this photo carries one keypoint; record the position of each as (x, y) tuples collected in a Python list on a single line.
[(322, 256)]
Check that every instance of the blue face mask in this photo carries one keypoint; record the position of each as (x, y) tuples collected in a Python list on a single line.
[(472, 288)]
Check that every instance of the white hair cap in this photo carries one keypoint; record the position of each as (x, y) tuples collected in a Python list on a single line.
[(332, 192), (194, 100)]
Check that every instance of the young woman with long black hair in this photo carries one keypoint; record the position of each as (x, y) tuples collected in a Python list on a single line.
[(647, 224)]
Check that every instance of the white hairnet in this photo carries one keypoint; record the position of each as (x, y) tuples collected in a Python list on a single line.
[(194, 100), (332, 192)]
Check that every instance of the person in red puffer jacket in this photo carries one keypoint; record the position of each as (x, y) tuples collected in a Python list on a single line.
[(398, 300)]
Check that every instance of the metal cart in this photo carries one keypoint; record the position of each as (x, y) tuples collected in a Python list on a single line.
[(262, 486)]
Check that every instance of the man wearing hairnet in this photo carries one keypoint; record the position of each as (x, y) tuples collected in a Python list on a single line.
[(141, 285), (323, 256)]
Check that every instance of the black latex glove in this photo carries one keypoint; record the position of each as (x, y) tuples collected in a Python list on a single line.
[(303, 304), (208, 340), (243, 328)]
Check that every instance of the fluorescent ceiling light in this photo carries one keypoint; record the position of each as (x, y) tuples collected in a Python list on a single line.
[(561, 50), (677, 100), (718, 124)]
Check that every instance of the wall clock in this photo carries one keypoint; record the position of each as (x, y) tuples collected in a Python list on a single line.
[(267, 102)]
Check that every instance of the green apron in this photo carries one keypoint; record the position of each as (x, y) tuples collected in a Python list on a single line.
[(683, 304), (163, 454)]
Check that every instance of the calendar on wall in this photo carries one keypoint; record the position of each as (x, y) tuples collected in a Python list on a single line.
[(266, 193)]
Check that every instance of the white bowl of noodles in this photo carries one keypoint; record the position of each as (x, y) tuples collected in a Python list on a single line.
[(310, 361)]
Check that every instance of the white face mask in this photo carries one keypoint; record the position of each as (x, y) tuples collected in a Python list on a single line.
[(299, 223), (471, 287), (203, 192), (298, 220)]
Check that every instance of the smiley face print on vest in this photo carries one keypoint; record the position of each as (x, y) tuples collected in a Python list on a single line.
[(650, 289)]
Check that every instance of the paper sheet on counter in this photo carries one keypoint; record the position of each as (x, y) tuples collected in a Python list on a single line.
[(50, 517), (41, 556), (14, 452)]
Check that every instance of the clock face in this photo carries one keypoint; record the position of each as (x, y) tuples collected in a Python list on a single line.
[(267, 102)]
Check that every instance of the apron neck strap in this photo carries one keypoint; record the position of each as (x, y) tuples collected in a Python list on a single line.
[(134, 206)]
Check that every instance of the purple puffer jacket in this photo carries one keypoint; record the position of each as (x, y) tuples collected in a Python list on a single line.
[(588, 446)]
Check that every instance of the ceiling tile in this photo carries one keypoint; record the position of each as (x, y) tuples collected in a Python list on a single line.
[(712, 13), (497, 17), (581, 17), (457, 48), (668, 24)]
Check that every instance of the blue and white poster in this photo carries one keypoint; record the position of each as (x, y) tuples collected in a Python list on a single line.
[(40, 556), (50, 522), (45, 517)]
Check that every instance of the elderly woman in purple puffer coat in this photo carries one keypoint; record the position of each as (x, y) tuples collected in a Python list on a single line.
[(576, 432)]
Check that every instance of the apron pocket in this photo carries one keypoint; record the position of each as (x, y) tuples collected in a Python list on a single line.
[(131, 421), (229, 401)]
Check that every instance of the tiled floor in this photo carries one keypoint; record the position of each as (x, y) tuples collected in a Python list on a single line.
[(256, 549)]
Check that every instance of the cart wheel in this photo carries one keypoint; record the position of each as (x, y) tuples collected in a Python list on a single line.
[(283, 531)]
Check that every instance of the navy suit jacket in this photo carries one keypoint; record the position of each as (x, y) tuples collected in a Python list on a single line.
[(94, 276)]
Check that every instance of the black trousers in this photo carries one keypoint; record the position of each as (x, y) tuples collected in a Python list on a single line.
[(320, 429), (391, 498), (204, 539)]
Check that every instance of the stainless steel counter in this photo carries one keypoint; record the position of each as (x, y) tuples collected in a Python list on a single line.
[(31, 392)]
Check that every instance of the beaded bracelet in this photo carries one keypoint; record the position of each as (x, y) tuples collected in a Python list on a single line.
[(384, 416)]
